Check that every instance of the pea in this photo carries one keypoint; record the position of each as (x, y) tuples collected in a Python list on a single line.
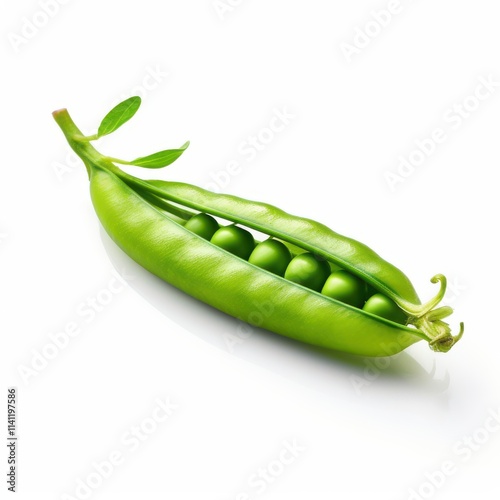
[(307, 270), (203, 225), (346, 287), (384, 307), (234, 239), (271, 255)]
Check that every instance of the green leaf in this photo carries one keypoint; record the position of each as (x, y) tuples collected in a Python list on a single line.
[(119, 115), (160, 159)]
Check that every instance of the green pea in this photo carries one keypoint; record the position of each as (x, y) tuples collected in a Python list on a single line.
[(234, 239), (344, 286), (307, 270), (203, 225), (271, 255), (385, 307)]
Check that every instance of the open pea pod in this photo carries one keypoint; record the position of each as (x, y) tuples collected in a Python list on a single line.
[(305, 233), (146, 219), (308, 234)]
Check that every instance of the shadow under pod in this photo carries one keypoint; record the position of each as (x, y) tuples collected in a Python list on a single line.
[(315, 367)]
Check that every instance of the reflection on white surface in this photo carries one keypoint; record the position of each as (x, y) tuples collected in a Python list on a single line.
[(337, 375)]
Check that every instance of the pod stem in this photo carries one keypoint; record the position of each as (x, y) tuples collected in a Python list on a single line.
[(431, 322), (77, 140), (441, 338)]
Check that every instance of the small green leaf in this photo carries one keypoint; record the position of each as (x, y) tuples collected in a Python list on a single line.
[(160, 159), (119, 115)]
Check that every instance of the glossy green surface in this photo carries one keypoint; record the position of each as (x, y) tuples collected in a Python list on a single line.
[(307, 270), (233, 285), (385, 308), (271, 255), (346, 287), (203, 225), (147, 219), (234, 239)]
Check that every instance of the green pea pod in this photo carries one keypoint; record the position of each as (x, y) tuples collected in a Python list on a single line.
[(305, 233), (145, 218)]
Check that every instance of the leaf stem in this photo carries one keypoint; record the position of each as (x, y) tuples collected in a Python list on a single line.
[(88, 138), (89, 155), (117, 160)]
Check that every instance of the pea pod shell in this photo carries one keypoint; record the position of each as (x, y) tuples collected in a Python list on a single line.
[(233, 285), (346, 252)]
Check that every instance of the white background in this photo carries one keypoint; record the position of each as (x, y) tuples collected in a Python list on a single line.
[(216, 77)]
